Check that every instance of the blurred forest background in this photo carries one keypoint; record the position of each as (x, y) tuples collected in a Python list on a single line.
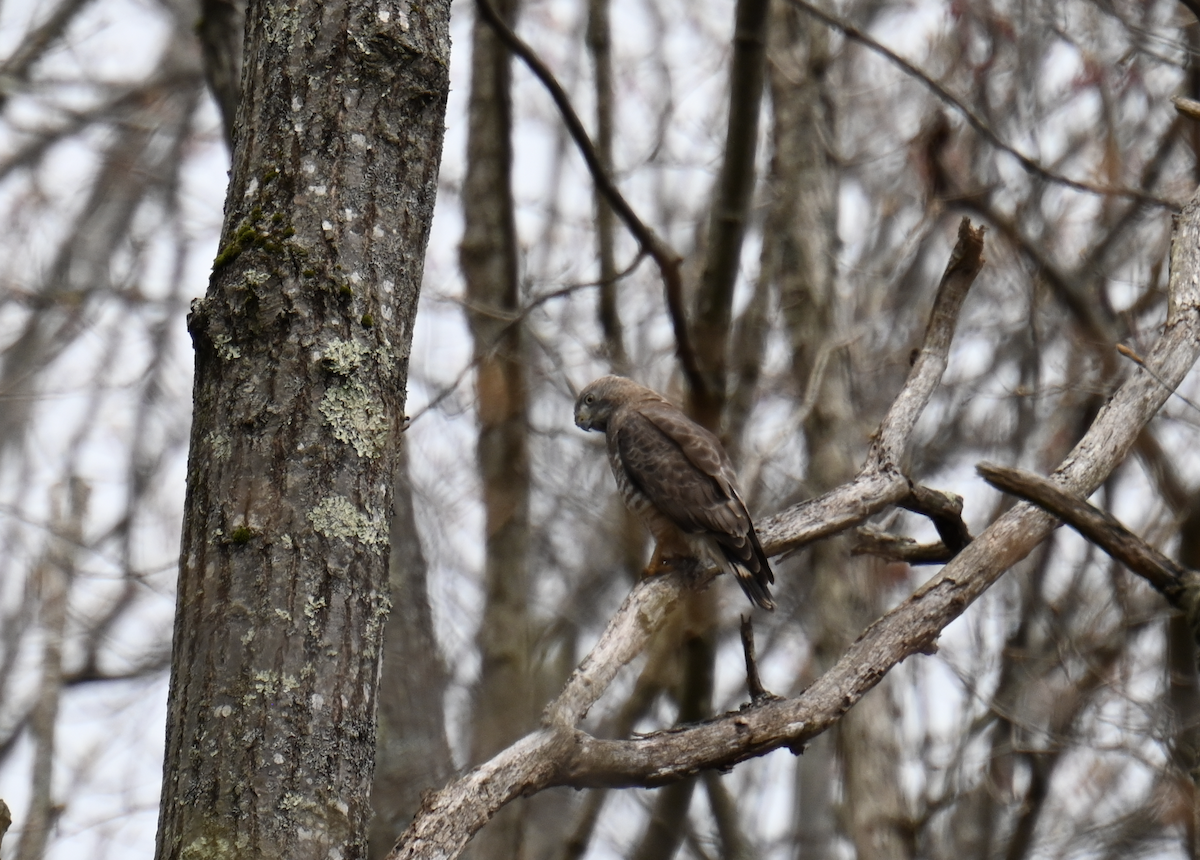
[(1059, 717)]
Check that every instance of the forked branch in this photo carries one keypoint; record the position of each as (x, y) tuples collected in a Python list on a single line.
[(561, 754)]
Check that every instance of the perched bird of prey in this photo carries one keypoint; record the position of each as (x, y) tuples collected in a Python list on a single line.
[(675, 475)]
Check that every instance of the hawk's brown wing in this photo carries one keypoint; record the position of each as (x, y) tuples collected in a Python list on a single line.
[(685, 493), (685, 473)]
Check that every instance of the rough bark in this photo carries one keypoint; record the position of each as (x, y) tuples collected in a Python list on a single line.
[(302, 346)]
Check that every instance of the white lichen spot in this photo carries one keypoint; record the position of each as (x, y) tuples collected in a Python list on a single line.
[(298, 127), (225, 348), (388, 285), (349, 215), (278, 758), (319, 190), (327, 226), (285, 540), (355, 278), (297, 103), (317, 701), (402, 20), (255, 278), (309, 166), (206, 848), (219, 444), (377, 232), (335, 517), (251, 188), (343, 357), (284, 615), (223, 711), (358, 140), (265, 683), (384, 16), (312, 606), (355, 417), (248, 636)]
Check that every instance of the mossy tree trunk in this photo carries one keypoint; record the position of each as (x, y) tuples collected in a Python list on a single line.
[(302, 349)]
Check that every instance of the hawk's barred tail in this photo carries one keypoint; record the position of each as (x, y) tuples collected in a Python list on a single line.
[(754, 586)]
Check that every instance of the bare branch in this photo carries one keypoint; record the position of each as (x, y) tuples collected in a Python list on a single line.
[(559, 754), (666, 257), (881, 481), (562, 755), (974, 120), (944, 510), (1180, 586), (753, 682), (869, 541)]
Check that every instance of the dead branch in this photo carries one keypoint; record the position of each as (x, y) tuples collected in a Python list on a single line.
[(944, 510), (1179, 585), (665, 257), (560, 754), (870, 541)]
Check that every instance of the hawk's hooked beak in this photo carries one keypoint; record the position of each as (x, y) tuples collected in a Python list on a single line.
[(583, 417)]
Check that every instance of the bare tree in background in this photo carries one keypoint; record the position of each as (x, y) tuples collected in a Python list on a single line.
[(1058, 716)]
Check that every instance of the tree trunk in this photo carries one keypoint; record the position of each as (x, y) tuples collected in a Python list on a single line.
[(302, 347), (412, 753), (503, 697)]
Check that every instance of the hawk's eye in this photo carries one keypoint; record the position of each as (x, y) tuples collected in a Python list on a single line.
[(589, 399)]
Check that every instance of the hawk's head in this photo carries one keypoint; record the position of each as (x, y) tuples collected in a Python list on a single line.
[(596, 403)]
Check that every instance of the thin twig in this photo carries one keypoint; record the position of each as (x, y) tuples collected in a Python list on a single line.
[(1137, 359), (513, 321), (666, 257), (753, 681)]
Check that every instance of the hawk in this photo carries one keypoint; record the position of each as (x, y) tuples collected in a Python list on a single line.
[(677, 478)]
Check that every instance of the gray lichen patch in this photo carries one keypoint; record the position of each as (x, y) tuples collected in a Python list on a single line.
[(355, 417), (225, 347), (336, 517), (220, 444), (343, 357)]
